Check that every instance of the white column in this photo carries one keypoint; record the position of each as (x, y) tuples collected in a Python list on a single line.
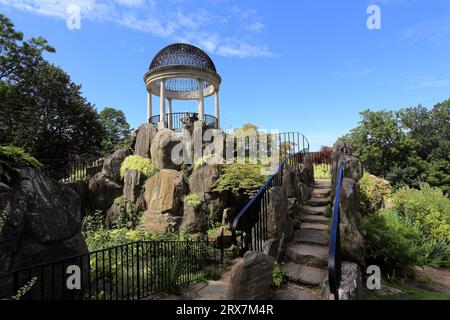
[(169, 109), (216, 106), (149, 105), (201, 106), (162, 104)]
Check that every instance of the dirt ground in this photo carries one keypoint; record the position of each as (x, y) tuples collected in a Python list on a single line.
[(432, 279)]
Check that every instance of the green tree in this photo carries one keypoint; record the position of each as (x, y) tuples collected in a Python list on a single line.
[(117, 130), (17, 55), (406, 147), (41, 109)]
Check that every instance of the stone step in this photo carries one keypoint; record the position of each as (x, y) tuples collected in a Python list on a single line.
[(316, 219), (321, 193), (311, 236), (309, 210), (318, 202), (310, 255), (322, 184), (314, 226), (307, 275)]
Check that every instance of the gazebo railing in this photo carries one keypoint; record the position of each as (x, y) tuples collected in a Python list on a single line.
[(177, 120)]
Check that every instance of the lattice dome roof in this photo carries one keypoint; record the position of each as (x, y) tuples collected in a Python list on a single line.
[(182, 54)]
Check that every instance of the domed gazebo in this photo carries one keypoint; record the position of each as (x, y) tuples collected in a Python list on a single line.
[(182, 72)]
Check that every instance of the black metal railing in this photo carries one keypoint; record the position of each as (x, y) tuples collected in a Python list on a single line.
[(291, 143), (250, 227), (69, 170), (334, 244), (177, 120), (128, 272)]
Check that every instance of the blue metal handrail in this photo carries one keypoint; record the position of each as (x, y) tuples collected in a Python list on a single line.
[(334, 246), (252, 220)]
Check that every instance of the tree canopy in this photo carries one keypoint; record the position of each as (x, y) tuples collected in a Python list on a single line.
[(43, 111), (118, 133), (406, 147)]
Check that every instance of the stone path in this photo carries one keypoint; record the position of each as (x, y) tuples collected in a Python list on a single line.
[(307, 256), (215, 290)]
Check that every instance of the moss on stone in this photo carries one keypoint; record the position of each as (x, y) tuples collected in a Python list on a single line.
[(143, 165)]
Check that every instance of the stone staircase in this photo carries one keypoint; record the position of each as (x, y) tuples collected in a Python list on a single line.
[(307, 256)]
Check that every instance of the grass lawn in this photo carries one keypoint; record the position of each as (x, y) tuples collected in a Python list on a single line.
[(407, 293)]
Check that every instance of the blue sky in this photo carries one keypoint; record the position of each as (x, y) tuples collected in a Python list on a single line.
[(308, 65)]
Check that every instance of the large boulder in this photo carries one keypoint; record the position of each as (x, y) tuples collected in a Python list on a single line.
[(51, 210), (42, 223), (351, 283), (352, 243), (307, 172), (279, 222), (161, 149), (102, 192), (112, 163), (202, 180), (133, 185), (144, 137), (251, 277), (195, 220), (160, 223), (164, 191), (81, 187)]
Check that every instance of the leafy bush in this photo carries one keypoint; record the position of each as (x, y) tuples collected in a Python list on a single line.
[(12, 160), (416, 230), (143, 165), (279, 275), (322, 171), (235, 177), (374, 192), (193, 199), (427, 210), (211, 273), (390, 245)]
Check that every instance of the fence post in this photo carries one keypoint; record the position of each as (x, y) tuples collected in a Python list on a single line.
[(138, 275)]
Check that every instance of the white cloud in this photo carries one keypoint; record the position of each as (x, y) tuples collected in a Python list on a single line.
[(357, 72), (436, 31), (220, 34)]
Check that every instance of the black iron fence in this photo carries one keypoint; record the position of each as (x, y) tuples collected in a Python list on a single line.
[(129, 272), (177, 120), (69, 170)]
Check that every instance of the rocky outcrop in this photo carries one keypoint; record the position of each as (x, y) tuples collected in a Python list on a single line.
[(195, 220), (112, 163), (102, 192), (350, 287), (164, 192), (251, 277), (43, 221), (132, 185), (81, 187), (352, 245), (144, 137), (307, 172), (160, 223), (202, 180), (279, 223), (161, 149)]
